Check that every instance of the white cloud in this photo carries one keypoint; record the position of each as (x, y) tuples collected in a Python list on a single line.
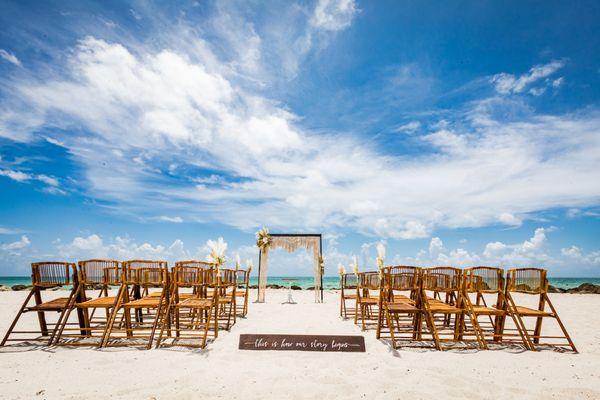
[(509, 219), (119, 248), (15, 175), (15, 246), (576, 254), (9, 231), (334, 15), (10, 57), (531, 252), (508, 83), (161, 108), (409, 127), (558, 82), (166, 218), (19, 176)]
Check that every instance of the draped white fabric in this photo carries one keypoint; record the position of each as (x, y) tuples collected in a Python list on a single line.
[(290, 243)]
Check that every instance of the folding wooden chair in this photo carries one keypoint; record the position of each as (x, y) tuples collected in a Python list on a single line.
[(98, 275), (367, 297), (46, 275), (191, 311), (242, 290), (400, 304), (139, 276), (225, 286), (204, 265), (533, 282), (482, 282), (348, 283), (445, 310)]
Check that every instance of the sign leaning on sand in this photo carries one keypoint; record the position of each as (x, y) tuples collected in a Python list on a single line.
[(323, 343)]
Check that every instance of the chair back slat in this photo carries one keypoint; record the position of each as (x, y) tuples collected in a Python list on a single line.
[(242, 276), (349, 280), (132, 270), (227, 277), (153, 277), (442, 279), (101, 272), (187, 276), (402, 278), (527, 280), (369, 280), (484, 279), (52, 273), (196, 264)]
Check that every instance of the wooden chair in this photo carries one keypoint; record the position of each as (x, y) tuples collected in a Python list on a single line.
[(348, 283), (46, 275), (139, 276), (533, 282), (225, 286), (400, 304), (482, 282), (367, 297), (98, 275), (242, 291), (204, 265), (447, 304), (191, 314)]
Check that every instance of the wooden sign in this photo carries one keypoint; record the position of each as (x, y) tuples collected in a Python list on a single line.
[(303, 343)]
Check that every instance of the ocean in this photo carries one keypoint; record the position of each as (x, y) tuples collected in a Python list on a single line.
[(329, 282)]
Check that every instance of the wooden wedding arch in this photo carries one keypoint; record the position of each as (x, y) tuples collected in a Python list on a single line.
[(292, 242)]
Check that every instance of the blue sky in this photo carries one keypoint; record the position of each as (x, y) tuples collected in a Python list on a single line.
[(461, 133)]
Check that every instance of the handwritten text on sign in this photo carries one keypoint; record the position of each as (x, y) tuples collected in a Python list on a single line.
[(302, 342)]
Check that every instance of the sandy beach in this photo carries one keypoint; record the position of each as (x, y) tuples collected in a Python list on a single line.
[(223, 371)]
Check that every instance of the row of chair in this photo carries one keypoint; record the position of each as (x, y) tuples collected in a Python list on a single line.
[(449, 305), (153, 305)]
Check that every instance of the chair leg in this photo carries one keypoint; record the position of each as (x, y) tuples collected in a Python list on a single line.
[(363, 310), (562, 327), (512, 310), (206, 325), (41, 315), (61, 323), (12, 326), (390, 322)]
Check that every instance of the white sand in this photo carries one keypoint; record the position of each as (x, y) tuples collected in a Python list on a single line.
[(223, 371)]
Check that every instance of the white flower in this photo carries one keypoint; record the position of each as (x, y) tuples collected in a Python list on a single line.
[(238, 261), (217, 250), (341, 269), (249, 264), (380, 250)]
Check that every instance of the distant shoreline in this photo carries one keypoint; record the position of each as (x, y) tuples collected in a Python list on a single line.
[(557, 285)]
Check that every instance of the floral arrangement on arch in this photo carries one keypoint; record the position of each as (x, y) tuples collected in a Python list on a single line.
[(263, 239)]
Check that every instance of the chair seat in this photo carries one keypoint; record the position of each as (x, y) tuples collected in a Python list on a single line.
[(154, 294), (401, 307), (483, 310), (227, 299), (349, 296), (525, 311), (240, 294), (402, 299), (444, 308), (149, 302), (195, 303), (369, 300), (183, 296), (52, 305), (98, 302)]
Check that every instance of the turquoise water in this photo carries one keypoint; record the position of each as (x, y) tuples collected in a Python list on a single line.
[(329, 282)]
